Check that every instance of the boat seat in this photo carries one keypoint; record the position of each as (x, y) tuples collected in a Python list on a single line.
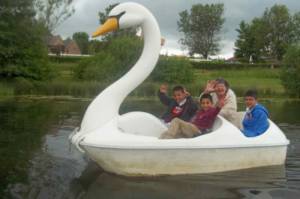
[(217, 124)]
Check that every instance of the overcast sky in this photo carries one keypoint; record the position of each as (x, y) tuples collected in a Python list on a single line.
[(85, 18)]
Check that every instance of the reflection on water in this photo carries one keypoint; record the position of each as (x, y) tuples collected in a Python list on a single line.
[(220, 185), (41, 163)]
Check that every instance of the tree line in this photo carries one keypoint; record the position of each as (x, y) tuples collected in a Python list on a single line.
[(265, 38), (269, 36)]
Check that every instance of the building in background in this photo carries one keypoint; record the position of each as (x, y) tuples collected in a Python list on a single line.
[(71, 47), (57, 46)]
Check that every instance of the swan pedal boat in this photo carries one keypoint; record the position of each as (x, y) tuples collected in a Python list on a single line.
[(131, 151), (129, 144)]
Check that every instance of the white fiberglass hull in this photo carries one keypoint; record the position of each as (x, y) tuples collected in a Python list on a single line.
[(224, 149), (133, 162)]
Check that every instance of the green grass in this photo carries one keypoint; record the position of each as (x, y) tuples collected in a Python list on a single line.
[(63, 71), (265, 80), (6, 89)]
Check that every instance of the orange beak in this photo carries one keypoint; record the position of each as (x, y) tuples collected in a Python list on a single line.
[(110, 25)]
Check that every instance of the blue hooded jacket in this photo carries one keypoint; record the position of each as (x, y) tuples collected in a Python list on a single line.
[(255, 121)]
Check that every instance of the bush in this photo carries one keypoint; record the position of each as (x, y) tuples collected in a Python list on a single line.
[(219, 65), (112, 62), (98, 68), (290, 75), (173, 70), (23, 85)]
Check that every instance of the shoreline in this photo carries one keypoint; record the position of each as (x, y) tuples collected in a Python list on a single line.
[(130, 98)]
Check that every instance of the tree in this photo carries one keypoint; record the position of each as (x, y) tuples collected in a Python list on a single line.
[(95, 46), (296, 27), (82, 40), (279, 25), (201, 28), (53, 12), (290, 75), (251, 41), (245, 42), (268, 36), (22, 49)]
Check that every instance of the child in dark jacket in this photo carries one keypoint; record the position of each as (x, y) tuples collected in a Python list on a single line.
[(180, 106), (255, 121), (199, 124)]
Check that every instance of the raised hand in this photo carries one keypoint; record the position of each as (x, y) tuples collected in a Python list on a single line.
[(163, 88), (210, 86), (186, 92)]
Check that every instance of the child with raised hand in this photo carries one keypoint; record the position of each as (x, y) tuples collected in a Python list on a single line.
[(201, 123), (180, 106), (255, 121)]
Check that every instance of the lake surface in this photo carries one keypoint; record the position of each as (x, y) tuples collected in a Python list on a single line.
[(36, 160)]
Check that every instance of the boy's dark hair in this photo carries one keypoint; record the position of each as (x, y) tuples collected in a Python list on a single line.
[(251, 93), (206, 96), (178, 88)]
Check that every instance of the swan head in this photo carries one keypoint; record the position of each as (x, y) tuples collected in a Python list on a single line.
[(122, 16)]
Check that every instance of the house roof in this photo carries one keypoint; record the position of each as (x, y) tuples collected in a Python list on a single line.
[(72, 47), (55, 41)]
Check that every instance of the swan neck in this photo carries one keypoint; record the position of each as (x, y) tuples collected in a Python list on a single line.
[(105, 107)]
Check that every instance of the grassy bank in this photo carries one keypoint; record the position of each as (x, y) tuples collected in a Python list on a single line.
[(265, 80), (6, 89)]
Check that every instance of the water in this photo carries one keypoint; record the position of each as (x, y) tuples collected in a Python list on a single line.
[(36, 160)]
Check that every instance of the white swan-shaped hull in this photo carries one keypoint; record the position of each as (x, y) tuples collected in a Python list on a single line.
[(225, 149), (129, 144)]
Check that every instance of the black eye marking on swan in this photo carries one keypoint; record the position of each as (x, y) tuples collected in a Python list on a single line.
[(118, 16)]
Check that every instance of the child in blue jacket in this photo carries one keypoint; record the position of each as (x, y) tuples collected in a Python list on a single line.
[(255, 121)]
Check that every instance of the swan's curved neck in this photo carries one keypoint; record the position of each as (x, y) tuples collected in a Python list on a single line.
[(105, 106)]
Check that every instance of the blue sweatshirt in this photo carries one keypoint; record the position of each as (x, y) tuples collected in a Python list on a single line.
[(255, 121)]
